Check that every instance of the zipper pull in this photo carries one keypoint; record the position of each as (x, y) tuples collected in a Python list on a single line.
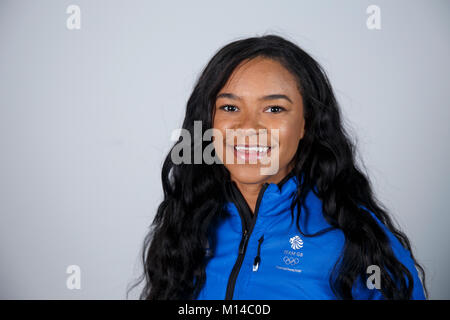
[(244, 242), (256, 263), (257, 260)]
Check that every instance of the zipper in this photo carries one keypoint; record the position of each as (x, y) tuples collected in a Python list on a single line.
[(246, 233), (257, 260)]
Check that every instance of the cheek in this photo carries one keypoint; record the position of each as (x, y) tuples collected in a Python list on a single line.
[(289, 138), (219, 122), (222, 125), (218, 138), (219, 144)]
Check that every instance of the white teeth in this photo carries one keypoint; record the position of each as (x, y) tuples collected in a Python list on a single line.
[(252, 149)]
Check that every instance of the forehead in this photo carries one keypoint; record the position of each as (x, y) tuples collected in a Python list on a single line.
[(260, 75)]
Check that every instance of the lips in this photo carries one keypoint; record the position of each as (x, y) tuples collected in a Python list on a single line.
[(247, 148), (251, 152)]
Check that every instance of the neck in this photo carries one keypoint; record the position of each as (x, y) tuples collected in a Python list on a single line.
[(250, 191)]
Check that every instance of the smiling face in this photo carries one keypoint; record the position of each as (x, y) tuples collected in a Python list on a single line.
[(260, 96)]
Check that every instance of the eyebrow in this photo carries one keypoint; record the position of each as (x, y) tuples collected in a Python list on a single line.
[(263, 98)]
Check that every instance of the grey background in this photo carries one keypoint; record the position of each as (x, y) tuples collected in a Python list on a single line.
[(86, 118)]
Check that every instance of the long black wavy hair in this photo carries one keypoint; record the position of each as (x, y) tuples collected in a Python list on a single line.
[(173, 254)]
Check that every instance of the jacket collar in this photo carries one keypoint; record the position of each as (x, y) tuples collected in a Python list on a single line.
[(275, 199)]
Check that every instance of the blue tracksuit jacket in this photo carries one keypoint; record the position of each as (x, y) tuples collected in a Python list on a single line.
[(265, 257)]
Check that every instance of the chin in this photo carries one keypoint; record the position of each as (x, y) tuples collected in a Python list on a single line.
[(247, 173)]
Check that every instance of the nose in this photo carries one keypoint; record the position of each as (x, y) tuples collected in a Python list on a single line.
[(249, 126), (249, 121)]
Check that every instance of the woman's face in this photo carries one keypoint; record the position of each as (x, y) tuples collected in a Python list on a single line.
[(260, 96)]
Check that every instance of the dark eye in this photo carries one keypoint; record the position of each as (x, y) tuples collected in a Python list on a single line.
[(275, 109), (228, 108)]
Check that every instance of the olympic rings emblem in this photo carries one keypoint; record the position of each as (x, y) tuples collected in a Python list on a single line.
[(290, 260)]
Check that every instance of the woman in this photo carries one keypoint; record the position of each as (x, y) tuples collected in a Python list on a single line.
[(311, 228)]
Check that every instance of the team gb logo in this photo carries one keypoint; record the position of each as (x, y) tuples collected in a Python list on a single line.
[(296, 242)]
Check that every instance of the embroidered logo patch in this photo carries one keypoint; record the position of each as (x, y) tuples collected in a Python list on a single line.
[(292, 257), (296, 242)]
